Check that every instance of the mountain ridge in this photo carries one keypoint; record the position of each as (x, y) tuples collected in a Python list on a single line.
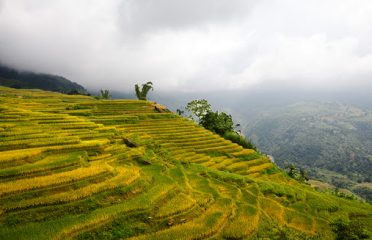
[(14, 78), (319, 136)]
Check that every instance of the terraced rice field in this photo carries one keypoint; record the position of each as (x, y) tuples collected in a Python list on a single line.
[(66, 172)]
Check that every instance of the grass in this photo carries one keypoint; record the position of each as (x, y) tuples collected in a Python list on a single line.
[(66, 173)]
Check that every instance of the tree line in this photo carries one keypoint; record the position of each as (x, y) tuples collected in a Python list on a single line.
[(216, 121)]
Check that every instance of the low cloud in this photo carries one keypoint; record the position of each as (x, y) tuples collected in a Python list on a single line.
[(192, 45)]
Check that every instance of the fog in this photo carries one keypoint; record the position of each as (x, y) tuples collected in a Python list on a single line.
[(194, 47)]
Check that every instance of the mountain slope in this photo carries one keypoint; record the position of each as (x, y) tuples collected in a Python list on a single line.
[(78, 168), (10, 77), (334, 141)]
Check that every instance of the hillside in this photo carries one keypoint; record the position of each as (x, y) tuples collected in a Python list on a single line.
[(10, 77), (72, 167), (333, 141)]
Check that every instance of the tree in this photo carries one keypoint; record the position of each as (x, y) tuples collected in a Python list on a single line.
[(218, 122), (142, 94), (105, 94), (199, 108)]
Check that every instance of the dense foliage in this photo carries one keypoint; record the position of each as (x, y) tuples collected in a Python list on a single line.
[(198, 108), (16, 79), (353, 230), (218, 122), (333, 141)]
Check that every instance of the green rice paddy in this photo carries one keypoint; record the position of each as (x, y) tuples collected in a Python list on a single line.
[(66, 172)]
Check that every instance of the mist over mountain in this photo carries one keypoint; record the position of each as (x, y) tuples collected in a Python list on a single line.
[(249, 103), (331, 140), (193, 46), (15, 78)]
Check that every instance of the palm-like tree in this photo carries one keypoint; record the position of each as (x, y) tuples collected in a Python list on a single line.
[(142, 94), (105, 94)]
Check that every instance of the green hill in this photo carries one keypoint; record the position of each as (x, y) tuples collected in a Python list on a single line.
[(72, 167), (333, 141), (10, 77)]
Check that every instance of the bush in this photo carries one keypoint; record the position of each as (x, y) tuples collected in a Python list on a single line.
[(218, 122), (239, 139), (353, 230)]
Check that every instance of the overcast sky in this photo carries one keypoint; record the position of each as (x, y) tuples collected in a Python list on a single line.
[(193, 45)]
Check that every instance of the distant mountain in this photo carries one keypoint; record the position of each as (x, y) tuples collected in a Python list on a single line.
[(10, 77), (333, 141)]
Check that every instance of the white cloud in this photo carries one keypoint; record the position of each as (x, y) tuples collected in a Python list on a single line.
[(192, 45)]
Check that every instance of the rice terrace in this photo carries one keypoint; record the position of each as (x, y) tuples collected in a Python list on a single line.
[(74, 167)]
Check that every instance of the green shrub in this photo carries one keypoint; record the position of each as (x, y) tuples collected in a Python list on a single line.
[(353, 230), (218, 122), (239, 139)]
